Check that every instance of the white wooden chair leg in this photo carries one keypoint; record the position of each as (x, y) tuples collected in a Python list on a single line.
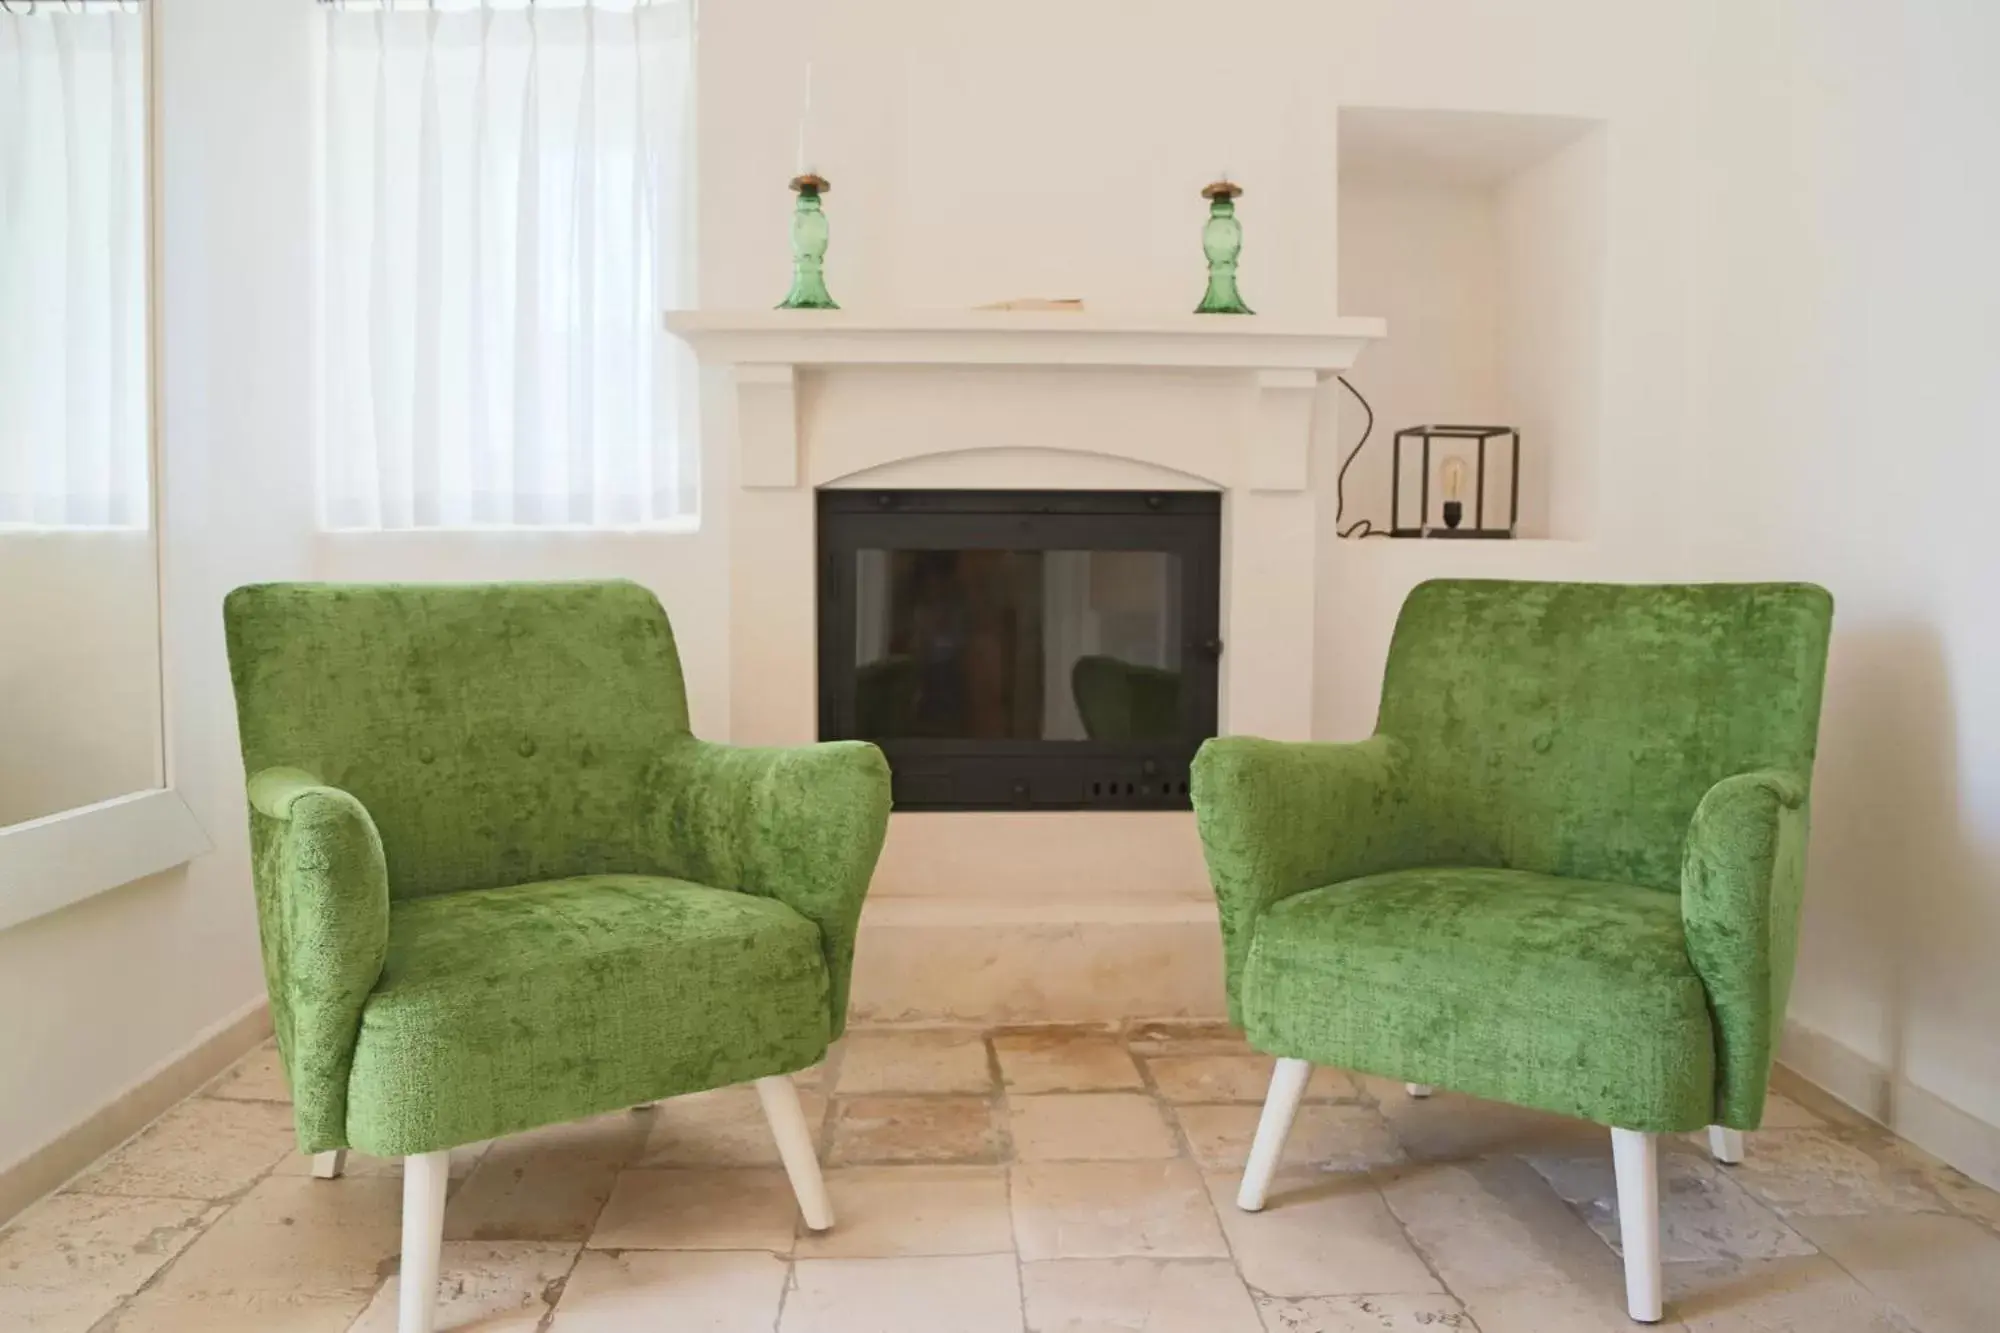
[(1725, 1145), (795, 1146), (1636, 1158), (1281, 1103), (329, 1165), (1418, 1090), (425, 1176)]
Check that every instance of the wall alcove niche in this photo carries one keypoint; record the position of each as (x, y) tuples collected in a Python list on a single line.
[(1481, 237)]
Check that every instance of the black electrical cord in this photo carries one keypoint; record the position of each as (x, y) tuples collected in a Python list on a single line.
[(1361, 527)]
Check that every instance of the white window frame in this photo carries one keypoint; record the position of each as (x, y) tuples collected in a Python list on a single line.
[(48, 864)]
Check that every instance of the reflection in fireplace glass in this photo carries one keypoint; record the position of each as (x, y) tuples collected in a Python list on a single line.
[(1018, 645)]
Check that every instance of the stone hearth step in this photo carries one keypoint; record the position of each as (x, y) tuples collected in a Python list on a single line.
[(1037, 959)]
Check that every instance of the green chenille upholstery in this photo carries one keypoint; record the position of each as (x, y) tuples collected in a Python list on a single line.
[(1566, 870), (499, 884)]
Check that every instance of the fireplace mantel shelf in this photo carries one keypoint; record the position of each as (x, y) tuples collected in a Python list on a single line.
[(1022, 338), (1282, 365)]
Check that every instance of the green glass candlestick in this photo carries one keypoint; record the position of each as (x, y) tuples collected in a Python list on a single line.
[(1222, 241), (809, 249)]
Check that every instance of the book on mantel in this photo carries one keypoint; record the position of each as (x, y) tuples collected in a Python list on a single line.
[(1036, 303)]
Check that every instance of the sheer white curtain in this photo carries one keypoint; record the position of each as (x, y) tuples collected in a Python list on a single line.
[(505, 218), (73, 378)]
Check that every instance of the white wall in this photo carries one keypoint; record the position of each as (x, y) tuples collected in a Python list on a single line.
[(1552, 245), (1425, 255), (1847, 330), (1480, 235), (1037, 148)]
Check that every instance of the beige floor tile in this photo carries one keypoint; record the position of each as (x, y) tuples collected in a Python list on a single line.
[(202, 1149), (1065, 1061), (257, 1077), (1112, 1210), (1320, 1235), (1941, 1273), (1808, 1294), (1086, 1126), (690, 1225), (1810, 1172), (944, 1060), (1365, 1314), (875, 1131), (641, 1290), (69, 1260), (699, 1210), (725, 1127), (1137, 1296), (1186, 1036), (1965, 1194), (547, 1184), (885, 1212), (1333, 1137), (361, 1164), (970, 1294), (1447, 1126), (1237, 1078), (1564, 1307), (1781, 1112), (1704, 1215), (239, 1312), (1496, 1233), (494, 1286), (296, 1240)]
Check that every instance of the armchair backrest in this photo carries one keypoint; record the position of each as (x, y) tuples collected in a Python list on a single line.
[(497, 733), (1572, 728)]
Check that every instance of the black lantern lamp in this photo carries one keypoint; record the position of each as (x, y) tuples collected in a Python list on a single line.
[(1451, 481)]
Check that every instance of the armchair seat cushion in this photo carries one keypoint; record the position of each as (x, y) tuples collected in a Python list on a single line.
[(499, 1010), (1574, 996)]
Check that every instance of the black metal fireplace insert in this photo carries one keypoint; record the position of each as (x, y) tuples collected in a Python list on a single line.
[(1022, 649)]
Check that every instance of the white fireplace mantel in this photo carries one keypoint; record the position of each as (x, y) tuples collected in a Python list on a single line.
[(1022, 338), (765, 349)]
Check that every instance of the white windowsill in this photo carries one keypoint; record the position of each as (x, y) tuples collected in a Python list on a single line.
[(47, 864), (667, 527)]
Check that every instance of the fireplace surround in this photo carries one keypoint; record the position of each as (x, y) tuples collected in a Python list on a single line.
[(1026, 913), (1022, 649)]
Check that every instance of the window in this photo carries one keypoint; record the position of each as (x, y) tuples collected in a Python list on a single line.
[(74, 380), (505, 190)]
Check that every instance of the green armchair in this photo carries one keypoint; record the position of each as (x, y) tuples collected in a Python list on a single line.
[(499, 884), (1564, 873)]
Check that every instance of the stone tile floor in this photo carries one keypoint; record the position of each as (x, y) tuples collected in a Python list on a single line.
[(1061, 1181)]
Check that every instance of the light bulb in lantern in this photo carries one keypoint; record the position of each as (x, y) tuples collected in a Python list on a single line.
[(1452, 476)]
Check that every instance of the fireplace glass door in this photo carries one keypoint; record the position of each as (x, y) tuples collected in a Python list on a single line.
[(1012, 649)]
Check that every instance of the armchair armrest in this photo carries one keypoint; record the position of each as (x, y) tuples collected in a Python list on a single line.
[(803, 826), (323, 921), (1277, 818), (1742, 877)]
